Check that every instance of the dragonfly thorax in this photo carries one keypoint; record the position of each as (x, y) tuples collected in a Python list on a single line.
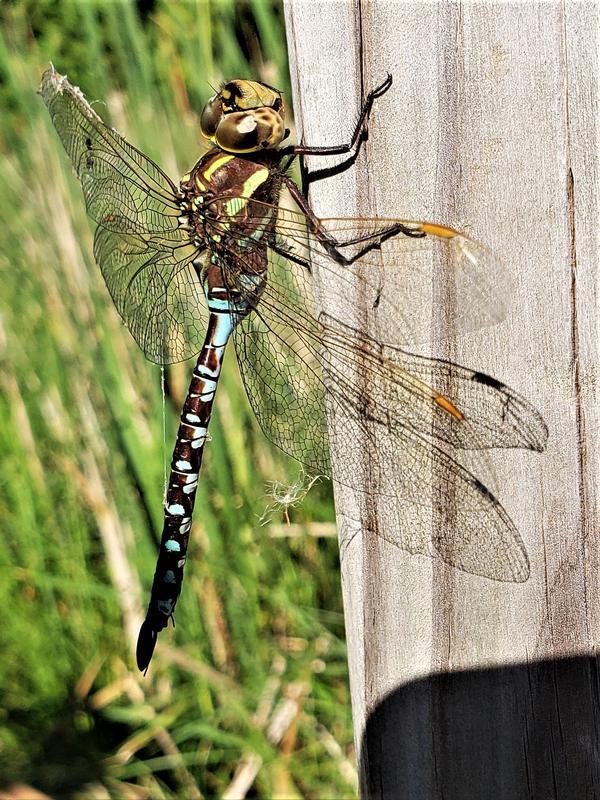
[(245, 117), (229, 203)]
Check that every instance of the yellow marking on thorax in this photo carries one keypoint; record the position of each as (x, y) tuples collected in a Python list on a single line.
[(254, 181), (235, 205), (438, 230), (216, 164)]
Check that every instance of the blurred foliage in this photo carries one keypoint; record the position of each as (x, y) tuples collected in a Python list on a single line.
[(83, 455)]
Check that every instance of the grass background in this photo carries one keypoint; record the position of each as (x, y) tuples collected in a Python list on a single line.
[(254, 678)]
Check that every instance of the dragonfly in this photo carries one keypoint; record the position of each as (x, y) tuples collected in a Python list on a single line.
[(220, 256)]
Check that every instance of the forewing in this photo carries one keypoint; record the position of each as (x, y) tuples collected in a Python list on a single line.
[(434, 397), (418, 288), (143, 254)]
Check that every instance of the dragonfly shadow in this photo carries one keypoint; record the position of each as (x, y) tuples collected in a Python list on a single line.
[(524, 731)]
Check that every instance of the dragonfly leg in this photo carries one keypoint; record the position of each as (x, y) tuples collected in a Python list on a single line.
[(359, 135), (332, 245)]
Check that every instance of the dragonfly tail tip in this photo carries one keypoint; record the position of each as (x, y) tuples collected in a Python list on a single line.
[(145, 646)]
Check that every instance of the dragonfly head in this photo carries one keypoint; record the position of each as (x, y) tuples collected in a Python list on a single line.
[(245, 116)]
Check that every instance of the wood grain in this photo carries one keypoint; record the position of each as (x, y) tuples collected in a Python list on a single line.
[(463, 687)]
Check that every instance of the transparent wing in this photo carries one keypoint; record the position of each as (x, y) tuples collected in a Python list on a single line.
[(447, 285), (432, 285), (278, 348), (145, 258), (401, 417)]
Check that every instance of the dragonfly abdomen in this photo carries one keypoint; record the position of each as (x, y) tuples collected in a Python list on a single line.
[(185, 464)]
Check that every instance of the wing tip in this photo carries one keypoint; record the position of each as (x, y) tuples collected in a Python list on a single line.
[(543, 434), (51, 81), (535, 432), (515, 568)]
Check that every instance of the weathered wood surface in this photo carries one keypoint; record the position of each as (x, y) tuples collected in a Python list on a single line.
[(463, 687)]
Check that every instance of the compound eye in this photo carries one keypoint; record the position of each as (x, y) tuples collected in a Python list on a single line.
[(247, 131), (271, 130), (238, 132), (211, 116)]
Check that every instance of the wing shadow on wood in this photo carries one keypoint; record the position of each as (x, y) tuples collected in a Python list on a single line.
[(525, 731)]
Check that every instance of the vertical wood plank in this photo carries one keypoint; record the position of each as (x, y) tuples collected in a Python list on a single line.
[(463, 687)]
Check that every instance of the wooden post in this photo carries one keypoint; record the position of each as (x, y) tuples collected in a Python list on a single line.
[(463, 687)]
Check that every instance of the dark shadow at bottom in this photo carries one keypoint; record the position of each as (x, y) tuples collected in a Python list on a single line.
[(525, 732)]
